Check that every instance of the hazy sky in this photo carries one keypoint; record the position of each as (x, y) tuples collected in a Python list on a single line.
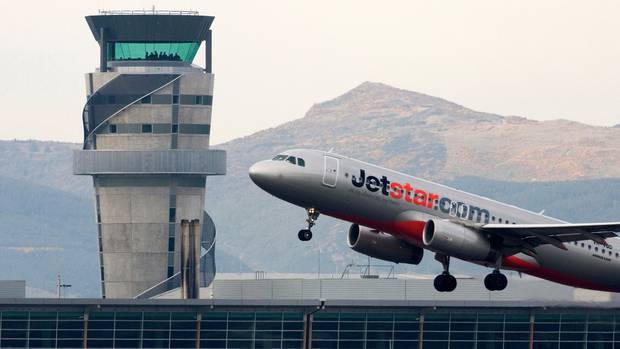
[(274, 58)]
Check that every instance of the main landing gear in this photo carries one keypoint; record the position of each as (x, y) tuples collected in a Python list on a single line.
[(444, 282), (306, 234), (495, 281)]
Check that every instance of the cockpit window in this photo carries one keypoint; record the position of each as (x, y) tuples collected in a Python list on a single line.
[(291, 159)]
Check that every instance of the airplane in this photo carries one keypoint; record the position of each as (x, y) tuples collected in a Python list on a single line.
[(395, 217)]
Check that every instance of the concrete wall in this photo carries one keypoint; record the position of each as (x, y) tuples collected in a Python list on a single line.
[(469, 289), (144, 114), (195, 114), (133, 142), (134, 211)]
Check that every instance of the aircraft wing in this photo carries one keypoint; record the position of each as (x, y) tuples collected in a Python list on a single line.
[(528, 236)]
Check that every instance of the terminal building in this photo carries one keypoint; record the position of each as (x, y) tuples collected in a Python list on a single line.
[(296, 311), (307, 323), (147, 122)]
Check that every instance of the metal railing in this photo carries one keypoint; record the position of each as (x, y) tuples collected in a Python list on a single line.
[(148, 12)]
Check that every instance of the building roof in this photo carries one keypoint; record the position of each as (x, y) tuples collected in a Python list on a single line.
[(151, 28), (177, 304), (528, 290)]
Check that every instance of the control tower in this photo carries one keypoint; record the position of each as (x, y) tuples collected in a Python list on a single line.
[(147, 121)]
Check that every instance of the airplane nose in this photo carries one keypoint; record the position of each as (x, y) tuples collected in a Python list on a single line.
[(263, 174)]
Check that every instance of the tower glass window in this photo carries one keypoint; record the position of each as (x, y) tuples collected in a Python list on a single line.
[(147, 128), (152, 51)]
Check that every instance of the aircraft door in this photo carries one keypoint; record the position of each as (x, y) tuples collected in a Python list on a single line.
[(330, 173)]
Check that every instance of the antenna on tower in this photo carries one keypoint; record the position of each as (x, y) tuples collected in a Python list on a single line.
[(60, 286)]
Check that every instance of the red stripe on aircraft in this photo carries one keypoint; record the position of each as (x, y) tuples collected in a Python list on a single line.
[(410, 231), (516, 263)]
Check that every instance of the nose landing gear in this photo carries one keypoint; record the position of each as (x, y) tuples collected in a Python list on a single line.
[(444, 282), (306, 234)]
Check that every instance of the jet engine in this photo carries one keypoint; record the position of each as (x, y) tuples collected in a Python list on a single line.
[(457, 240), (383, 246)]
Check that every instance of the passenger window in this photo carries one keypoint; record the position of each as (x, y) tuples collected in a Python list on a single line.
[(589, 247), (583, 245), (301, 162), (500, 220), (596, 249), (280, 157), (493, 218), (291, 159)]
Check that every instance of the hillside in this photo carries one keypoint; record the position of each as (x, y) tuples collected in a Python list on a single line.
[(569, 169), (43, 163), (434, 138), (45, 232)]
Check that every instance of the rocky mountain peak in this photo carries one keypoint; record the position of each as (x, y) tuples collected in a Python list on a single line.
[(373, 100)]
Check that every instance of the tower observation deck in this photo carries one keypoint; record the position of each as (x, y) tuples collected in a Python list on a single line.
[(147, 122)]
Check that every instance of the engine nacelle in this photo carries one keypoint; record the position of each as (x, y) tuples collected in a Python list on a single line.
[(457, 240), (383, 246)]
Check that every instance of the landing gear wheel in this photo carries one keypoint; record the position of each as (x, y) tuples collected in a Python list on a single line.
[(445, 282), (451, 283), (488, 282), (438, 283), (495, 281), (502, 282), (305, 235)]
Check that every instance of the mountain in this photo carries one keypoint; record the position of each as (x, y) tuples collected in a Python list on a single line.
[(45, 232), (437, 139), (569, 169), (43, 163)]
